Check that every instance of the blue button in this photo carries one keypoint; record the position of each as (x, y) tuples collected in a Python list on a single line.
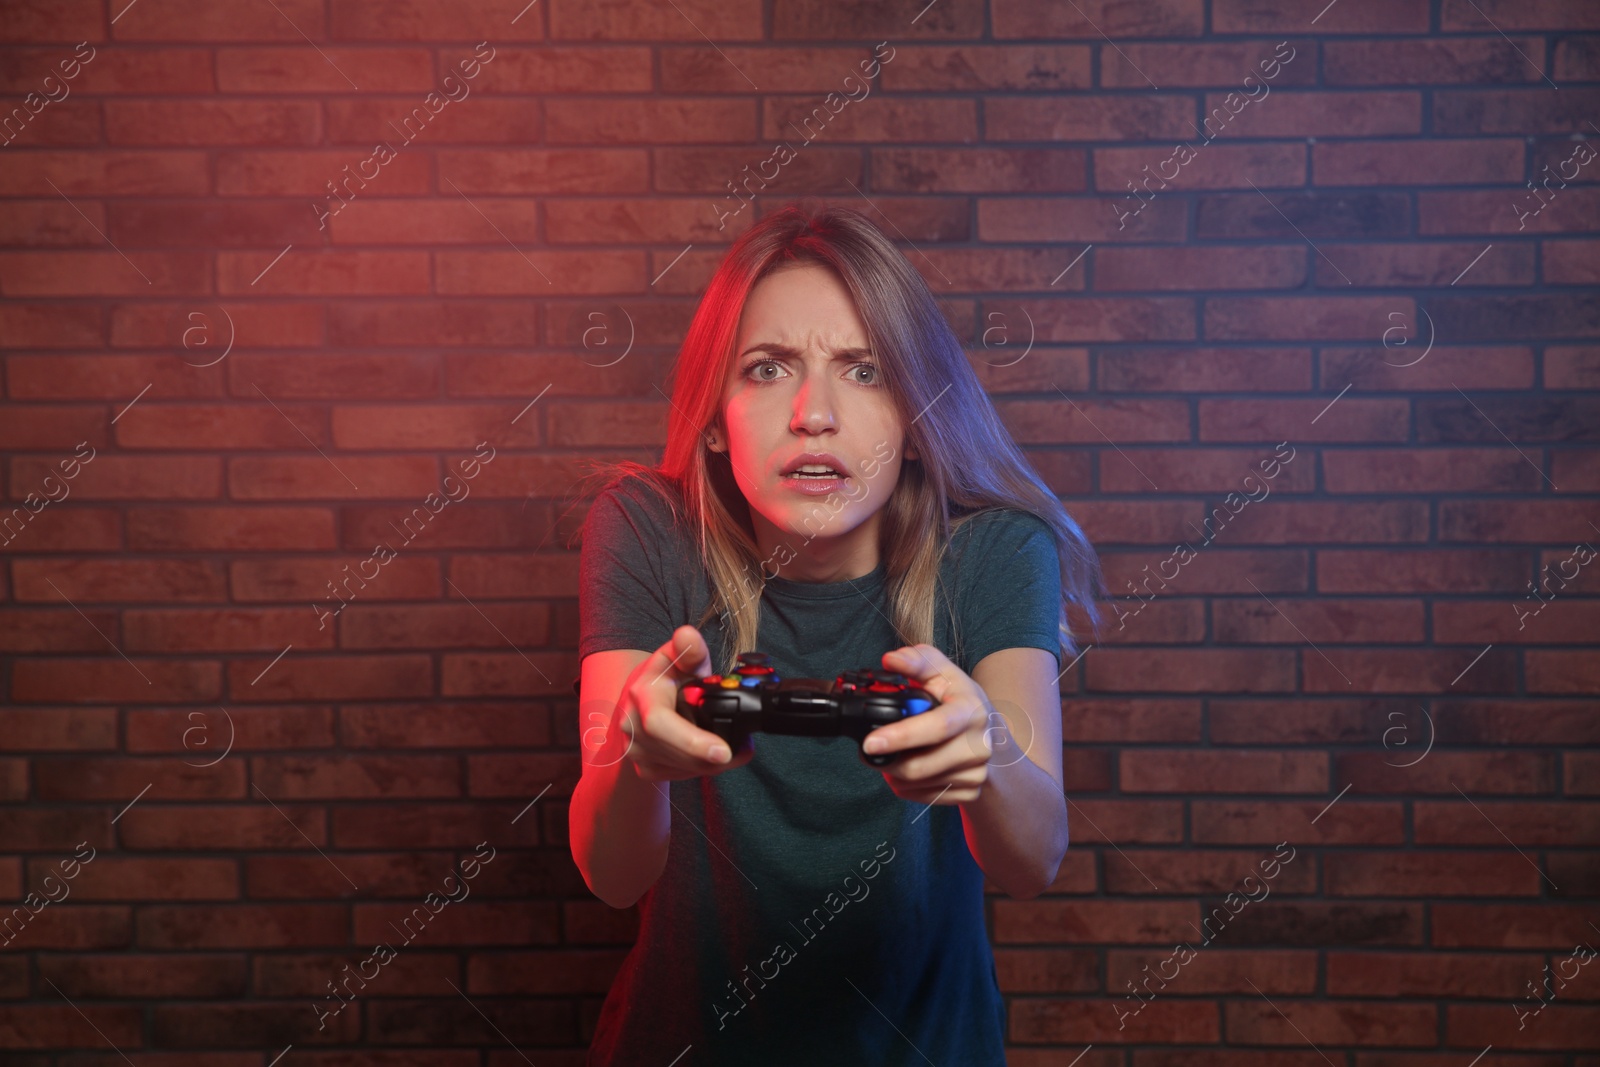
[(750, 681), (916, 706)]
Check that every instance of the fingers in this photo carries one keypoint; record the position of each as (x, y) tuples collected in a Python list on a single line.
[(932, 727), (666, 744), (683, 655)]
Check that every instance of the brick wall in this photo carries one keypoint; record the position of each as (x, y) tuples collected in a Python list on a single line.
[(239, 745)]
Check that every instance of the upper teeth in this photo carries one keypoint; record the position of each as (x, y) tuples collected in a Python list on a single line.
[(812, 468)]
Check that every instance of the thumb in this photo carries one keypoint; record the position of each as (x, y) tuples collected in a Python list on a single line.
[(691, 657)]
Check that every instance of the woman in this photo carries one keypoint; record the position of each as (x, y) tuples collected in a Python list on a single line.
[(798, 905)]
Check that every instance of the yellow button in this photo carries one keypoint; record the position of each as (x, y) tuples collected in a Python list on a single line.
[(731, 682)]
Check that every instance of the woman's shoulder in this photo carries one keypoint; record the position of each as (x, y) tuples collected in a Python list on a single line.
[(985, 526), (645, 495)]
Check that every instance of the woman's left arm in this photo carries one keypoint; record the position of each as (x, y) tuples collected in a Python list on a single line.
[(1012, 795)]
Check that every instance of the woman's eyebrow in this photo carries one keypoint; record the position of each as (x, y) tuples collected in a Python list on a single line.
[(776, 349)]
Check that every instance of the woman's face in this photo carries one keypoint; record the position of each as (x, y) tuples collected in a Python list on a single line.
[(804, 380)]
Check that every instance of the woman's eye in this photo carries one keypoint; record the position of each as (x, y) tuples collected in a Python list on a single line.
[(871, 379), (753, 369)]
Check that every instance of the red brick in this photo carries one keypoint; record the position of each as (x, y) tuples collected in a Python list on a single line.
[(628, 20), (43, 223), (444, 725), (1430, 874), (102, 173), (195, 20), (1165, 18), (128, 477), (211, 122), (294, 427), (409, 577), (319, 478), (1118, 118), (1018, 67), (1566, 1026), (1522, 15), (159, 529), (203, 735), (116, 378), (111, 581), (58, 729), (1172, 1021), (1407, 671), (1562, 672), (99, 681), (1456, 60), (1454, 570), (1430, 162), (1522, 621), (1508, 211), (1324, 620), (121, 779), (1419, 263), (1418, 974), (1302, 318), (315, 677), (1191, 671), (41, 324), (256, 630), (1157, 771), (60, 530), (1047, 970), (1169, 269), (553, 171), (1413, 470), (141, 879), (287, 172), (500, 273), (1144, 170), (444, 626), (146, 975), (1343, 821), (66, 273), (382, 222), (1543, 925), (202, 828), (38, 630), (1145, 871), (305, 70), (1213, 63), (1251, 16), (62, 1026), (410, 826), (242, 926), (1484, 822), (346, 776), (664, 121), (1571, 262), (1318, 114), (323, 272), (496, 674), (1079, 219), (1349, 1022), (1214, 971)]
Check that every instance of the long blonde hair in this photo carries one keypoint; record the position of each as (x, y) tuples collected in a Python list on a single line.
[(966, 462)]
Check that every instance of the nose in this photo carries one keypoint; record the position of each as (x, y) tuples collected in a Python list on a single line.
[(813, 406)]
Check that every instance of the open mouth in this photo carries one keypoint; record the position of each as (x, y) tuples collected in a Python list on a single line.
[(815, 472)]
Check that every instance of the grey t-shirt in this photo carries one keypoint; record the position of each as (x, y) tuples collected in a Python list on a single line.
[(806, 914)]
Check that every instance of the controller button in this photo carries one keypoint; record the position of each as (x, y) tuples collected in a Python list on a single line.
[(751, 682), (916, 706), (730, 682)]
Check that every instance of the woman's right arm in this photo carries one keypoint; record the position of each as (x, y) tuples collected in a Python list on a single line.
[(633, 742)]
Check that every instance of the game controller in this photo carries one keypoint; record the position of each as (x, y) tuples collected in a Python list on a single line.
[(755, 699)]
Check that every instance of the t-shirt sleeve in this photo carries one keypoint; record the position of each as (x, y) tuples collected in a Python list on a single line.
[(1013, 587), (622, 600)]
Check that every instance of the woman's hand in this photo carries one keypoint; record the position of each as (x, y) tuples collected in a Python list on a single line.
[(951, 761), (663, 745)]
